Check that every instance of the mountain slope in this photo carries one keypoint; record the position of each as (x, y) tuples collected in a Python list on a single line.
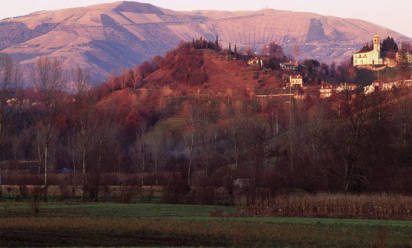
[(107, 37)]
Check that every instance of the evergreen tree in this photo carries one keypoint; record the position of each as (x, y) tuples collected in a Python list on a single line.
[(229, 52), (403, 63), (366, 47), (389, 48)]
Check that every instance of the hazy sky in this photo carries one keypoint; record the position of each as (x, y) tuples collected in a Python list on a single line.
[(394, 14)]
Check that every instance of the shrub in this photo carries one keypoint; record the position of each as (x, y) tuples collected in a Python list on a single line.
[(91, 188), (64, 192), (203, 196), (128, 193), (23, 192), (107, 193), (176, 189), (36, 194), (146, 196)]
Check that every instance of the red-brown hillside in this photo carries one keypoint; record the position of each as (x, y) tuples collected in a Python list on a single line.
[(209, 71)]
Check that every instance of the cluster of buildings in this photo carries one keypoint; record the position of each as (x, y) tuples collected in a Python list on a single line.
[(372, 58), (387, 86), (326, 91), (368, 59), (26, 103), (11, 102)]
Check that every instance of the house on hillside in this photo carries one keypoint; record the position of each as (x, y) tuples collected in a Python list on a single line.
[(256, 61), (289, 66), (346, 87), (369, 57), (326, 91), (295, 80), (409, 57)]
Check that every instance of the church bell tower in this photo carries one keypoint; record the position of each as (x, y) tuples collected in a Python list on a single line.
[(376, 43)]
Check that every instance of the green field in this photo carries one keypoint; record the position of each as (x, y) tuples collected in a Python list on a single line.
[(109, 224), (109, 210)]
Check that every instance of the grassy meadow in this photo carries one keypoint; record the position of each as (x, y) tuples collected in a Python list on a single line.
[(112, 224)]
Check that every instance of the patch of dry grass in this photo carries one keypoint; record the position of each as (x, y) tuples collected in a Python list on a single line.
[(379, 206)]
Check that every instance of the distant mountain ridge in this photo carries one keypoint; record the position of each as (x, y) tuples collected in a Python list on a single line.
[(108, 37)]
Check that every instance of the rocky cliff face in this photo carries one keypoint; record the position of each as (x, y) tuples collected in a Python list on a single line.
[(108, 37)]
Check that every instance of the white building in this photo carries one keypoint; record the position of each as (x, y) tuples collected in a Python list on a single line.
[(371, 57), (289, 66), (346, 87), (325, 92), (295, 80), (256, 61)]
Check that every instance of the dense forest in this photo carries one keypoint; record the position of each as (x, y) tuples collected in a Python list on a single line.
[(133, 130)]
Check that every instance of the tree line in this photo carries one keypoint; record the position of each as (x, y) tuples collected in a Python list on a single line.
[(348, 143)]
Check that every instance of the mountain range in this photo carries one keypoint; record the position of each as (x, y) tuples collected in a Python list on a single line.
[(106, 38)]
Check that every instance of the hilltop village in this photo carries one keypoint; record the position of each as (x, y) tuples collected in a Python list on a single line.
[(376, 61)]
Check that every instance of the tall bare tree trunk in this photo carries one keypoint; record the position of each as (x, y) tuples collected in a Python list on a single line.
[(156, 179), (291, 132), (1, 119), (46, 154), (83, 170), (277, 124), (143, 164), (74, 171), (236, 155), (189, 169), (84, 162)]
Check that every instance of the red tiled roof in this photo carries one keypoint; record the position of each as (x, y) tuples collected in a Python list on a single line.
[(367, 51)]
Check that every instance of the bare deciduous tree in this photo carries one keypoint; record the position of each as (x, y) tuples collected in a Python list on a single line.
[(139, 150), (9, 77), (48, 78), (154, 140)]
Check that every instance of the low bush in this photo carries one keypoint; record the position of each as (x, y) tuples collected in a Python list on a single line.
[(176, 189), (36, 194), (202, 195), (128, 193)]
